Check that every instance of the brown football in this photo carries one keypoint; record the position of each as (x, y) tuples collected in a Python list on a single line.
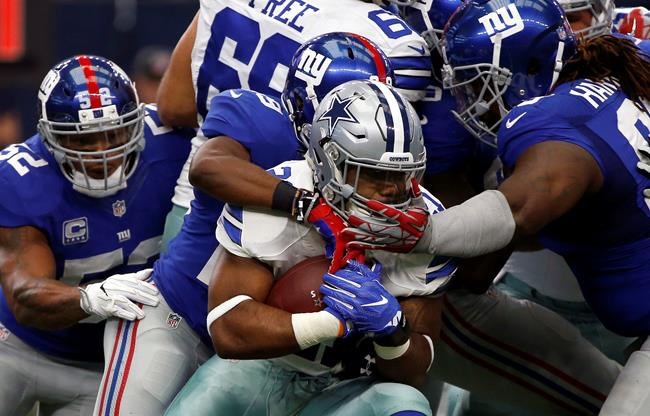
[(296, 291)]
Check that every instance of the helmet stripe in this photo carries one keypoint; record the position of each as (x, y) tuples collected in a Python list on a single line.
[(388, 115), (376, 56), (91, 80), (394, 107)]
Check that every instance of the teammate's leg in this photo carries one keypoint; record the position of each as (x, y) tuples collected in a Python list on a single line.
[(147, 362), (520, 353), (17, 366), (631, 393), (173, 224)]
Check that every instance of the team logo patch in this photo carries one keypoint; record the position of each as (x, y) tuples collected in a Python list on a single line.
[(4, 333), (173, 320), (119, 208), (75, 231)]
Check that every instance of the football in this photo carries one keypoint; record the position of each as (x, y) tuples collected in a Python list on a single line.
[(297, 290)]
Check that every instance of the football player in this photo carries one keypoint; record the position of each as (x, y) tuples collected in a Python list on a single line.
[(83, 207), (147, 364), (566, 165), (353, 161), (249, 44)]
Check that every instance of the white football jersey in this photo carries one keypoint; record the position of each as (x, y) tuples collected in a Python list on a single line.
[(249, 44), (281, 243)]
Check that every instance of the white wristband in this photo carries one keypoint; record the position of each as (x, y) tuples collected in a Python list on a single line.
[(225, 307), (314, 327), (428, 338), (390, 353)]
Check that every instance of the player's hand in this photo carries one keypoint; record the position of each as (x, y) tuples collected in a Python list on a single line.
[(303, 203), (644, 163), (118, 295), (330, 226), (357, 294)]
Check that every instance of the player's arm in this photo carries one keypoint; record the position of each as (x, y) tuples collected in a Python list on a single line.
[(27, 274), (549, 178), (243, 327), (423, 317), (222, 169), (175, 99), (37, 299)]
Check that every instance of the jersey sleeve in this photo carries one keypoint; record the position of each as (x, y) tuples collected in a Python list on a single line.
[(30, 184), (230, 229), (540, 120), (257, 122)]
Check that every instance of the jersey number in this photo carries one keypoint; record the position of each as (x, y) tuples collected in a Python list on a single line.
[(21, 160), (240, 58)]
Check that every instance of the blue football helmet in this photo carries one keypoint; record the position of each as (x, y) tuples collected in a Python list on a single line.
[(324, 62), (498, 54), (428, 18), (92, 122), (601, 11)]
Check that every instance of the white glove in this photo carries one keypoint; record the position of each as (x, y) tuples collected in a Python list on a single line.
[(118, 295)]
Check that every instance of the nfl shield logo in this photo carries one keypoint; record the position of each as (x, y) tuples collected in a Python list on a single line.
[(173, 320), (119, 208)]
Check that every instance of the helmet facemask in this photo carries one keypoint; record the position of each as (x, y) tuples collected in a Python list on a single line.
[(97, 173), (601, 12), (479, 91)]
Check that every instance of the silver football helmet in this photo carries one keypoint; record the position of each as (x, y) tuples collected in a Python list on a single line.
[(366, 143), (602, 14)]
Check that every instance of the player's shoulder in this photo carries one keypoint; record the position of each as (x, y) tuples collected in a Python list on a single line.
[(243, 103), (264, 233), (31, 183), (163, 142)]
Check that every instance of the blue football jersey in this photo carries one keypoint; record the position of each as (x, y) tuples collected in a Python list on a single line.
[(605, 238), (449, 145), (182, 274), (91, 238)]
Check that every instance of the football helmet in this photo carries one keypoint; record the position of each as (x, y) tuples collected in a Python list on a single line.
[(428, 18), (602, 14), (364, 132), (91, 120), (499, 54), (324, 62)]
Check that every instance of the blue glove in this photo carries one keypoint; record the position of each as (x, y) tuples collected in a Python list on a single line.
[(357, 295)]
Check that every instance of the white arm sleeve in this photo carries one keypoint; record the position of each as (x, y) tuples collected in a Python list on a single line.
[(480, 225)]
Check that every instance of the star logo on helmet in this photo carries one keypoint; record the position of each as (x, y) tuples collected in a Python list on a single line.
[(338, 111)]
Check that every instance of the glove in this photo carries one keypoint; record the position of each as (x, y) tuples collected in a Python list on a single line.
[(389, 229), (357, 295), (644, 163), (330, 226), (303, 203), (118, 295)]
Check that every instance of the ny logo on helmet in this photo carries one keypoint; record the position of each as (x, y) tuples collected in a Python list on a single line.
[(503, 22), (312, 67)]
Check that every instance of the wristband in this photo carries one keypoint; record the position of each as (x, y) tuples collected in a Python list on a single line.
[(224, 308), (312, 328), (390, 353), (284, 197)]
